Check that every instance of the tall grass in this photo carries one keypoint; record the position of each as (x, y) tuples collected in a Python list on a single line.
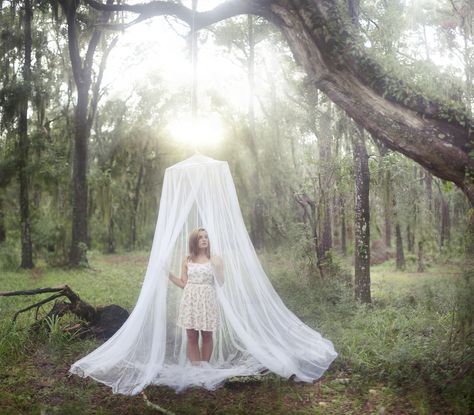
[(416, 336)]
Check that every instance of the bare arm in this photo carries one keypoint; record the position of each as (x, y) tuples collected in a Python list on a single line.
[(183, 280), (218, 266)]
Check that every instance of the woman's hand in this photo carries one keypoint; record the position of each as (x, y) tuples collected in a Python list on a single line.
[(175, 280), (216, 261), (180, 282), (218, 265)]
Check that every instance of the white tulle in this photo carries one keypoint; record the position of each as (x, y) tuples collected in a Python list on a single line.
[(257, 331)]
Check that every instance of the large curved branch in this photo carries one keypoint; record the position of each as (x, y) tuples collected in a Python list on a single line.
[(221, 12), (337, 43), (435, 134), (438, 135)]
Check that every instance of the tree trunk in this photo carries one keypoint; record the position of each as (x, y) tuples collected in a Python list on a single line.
[(258, 228), (343, 226), (362, 217), (82, 72), (336, 219), (77, 254), (317, 244), (24, 144), (310, 214), (469, 246), (3, 233), (429, 190), (421, 260), (400, 261), (400, 255), (354, 11), (445, 237), (110, 236), (410, 239), (387, 209), (324, 146), (135, 202)]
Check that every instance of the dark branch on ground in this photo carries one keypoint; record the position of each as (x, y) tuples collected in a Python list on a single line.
[(101, 322)]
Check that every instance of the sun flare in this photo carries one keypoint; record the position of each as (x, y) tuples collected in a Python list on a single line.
[(207, 131)]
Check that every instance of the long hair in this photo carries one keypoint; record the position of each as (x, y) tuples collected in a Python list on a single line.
[(194, 244)]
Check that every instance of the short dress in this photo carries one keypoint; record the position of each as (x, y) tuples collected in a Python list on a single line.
[(198, 308)]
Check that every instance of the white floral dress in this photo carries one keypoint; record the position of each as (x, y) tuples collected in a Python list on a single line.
[(198, 308)]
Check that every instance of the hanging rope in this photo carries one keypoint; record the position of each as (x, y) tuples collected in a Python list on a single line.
[(194, 75)]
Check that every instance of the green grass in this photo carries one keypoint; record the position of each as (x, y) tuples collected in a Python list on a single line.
[(401, 355)]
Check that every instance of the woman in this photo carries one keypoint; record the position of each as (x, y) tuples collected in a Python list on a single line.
[(199, 310)]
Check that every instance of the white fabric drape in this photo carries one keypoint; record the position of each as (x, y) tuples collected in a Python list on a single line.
[(256, 332)]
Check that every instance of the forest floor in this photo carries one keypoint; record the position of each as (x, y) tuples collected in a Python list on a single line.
[(388, 363)]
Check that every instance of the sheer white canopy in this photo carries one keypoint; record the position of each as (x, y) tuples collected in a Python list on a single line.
[(257, 331)]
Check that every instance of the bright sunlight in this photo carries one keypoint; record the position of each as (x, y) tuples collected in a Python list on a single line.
[(205, 132)]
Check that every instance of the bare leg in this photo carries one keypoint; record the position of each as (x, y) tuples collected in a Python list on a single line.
[(193, 346), (207, 345)]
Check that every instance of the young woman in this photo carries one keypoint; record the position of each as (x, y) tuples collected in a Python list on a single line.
[(199, 310)]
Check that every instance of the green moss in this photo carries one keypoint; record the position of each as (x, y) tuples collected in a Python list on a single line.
[(342, 43)]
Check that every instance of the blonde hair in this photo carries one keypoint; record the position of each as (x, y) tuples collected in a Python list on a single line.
[(194, 244)]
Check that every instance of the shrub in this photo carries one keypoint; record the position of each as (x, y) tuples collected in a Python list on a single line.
[(9, 256)]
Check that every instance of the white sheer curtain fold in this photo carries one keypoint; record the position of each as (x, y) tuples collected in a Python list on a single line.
[(257, 331)]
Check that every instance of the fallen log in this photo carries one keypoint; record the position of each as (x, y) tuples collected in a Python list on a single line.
[(100, 322)]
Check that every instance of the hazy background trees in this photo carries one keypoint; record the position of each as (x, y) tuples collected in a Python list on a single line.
[(289, 148)]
